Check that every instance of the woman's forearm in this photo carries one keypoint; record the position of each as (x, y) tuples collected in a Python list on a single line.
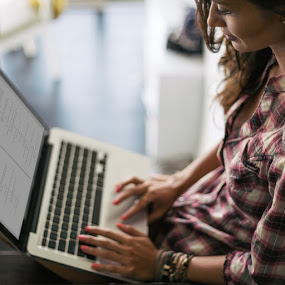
[(206, 269), (198, 168)]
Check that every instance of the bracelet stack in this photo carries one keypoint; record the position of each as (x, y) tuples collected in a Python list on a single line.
[(172, 266)]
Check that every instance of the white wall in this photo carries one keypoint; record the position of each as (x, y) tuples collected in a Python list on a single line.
[(212, 125)]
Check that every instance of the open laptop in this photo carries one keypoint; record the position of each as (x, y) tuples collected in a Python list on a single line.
[(53, 183)]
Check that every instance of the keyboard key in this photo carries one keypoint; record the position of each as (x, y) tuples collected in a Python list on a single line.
[(71, 246), (97, 207), (54, 228), (44, 242), (64, 226), (56, 220), (47, 225), (57, 211), (77, 210), (80, 188), (66, 218), (80, 252), (69, 195), (67, 210), (68, 202), (60, 195), (75, 219), (74, 227), (73, 235), (100, 181), (52, 244), (79, 196), (73, 177), (63, 234), (81, 181), (61, 245), (94, 156), (59, 203), (53, 236), (86, 210), (88, 194), (61, 188), (85, 218)]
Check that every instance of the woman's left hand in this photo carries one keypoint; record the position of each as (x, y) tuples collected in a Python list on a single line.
[(133, 250)]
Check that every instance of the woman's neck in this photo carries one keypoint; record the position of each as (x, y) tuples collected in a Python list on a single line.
[(279, 52)]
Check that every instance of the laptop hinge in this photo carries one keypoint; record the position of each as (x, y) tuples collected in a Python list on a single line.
[(39, 184)]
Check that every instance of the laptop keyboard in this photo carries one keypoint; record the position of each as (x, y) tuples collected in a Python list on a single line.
[(76, 198)]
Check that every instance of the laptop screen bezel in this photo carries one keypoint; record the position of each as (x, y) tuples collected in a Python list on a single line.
[(21, 242)]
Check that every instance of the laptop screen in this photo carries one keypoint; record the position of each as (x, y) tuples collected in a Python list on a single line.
[(21, 136)]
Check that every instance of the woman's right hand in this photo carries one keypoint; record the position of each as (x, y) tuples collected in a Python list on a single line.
[(159, 192)]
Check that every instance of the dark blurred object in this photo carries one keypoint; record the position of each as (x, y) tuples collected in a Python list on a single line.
[(187, 40)]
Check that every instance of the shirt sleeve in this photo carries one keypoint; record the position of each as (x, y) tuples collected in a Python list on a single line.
[(265, 263)]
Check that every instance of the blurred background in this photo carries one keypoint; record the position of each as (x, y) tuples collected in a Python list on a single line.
[(126, 72)]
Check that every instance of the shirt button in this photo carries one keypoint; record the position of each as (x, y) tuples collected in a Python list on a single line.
[(181, 199)]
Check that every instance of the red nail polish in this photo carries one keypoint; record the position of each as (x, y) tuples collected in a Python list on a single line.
[(124, 217), (87, 228), (81, 238), (115, 202), (84, 247), (94, 265), (120, 224), (118, 188)]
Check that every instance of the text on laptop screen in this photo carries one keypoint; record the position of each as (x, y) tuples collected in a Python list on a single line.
[(21, 136)]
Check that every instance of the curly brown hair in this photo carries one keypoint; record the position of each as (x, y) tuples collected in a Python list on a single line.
[(242, 70)]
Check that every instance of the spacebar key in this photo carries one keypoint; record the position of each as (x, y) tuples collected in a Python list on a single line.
[(97, 206)]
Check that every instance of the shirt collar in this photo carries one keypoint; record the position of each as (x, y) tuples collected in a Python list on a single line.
[(276, 84)]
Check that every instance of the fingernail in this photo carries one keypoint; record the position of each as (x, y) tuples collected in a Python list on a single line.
[(115, 202), (87, 228), (120, 225), (84, 247), (118, 188), (94, 265), (123, 217), (81, 237)]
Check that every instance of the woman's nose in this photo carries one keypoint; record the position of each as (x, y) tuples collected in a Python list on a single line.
[(214, 19)]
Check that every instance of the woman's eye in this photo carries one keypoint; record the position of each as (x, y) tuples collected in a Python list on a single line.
[(222, 12)]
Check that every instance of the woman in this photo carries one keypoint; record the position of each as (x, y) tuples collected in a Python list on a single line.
[(221, 219)]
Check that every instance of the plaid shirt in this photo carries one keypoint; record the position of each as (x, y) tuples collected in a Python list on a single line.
[(239, 208)]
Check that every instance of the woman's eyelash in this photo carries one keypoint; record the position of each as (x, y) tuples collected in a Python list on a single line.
[(222, 12)]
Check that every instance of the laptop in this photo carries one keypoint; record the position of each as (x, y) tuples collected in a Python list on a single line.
[(54, 182)]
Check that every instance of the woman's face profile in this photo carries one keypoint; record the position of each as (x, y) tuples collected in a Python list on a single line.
[(248, 26)]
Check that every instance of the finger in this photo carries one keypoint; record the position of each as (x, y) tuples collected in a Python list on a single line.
[(106, 233), (103, 253), (159, 177), (137, 206), (129, 180), (101, 242), (130, 230), (134, 191)]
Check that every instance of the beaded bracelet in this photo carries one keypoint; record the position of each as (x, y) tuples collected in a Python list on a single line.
[(172, 266)]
